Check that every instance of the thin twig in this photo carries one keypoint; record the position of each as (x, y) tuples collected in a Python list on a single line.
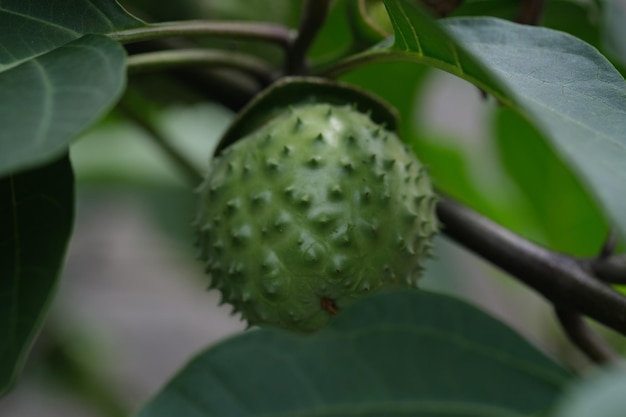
[(185, 166), (154, 61), (313, 18), (559, 278), (268, 32), (584, 337)]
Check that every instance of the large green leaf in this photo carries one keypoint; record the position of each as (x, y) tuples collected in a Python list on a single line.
[(397, 353), (54, 80), (563, 86), (36, 218)]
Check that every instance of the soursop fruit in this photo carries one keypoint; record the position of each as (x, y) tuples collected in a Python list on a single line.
[(314, 209)]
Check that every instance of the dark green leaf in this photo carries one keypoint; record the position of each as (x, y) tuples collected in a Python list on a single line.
[(398, 353), (36, 218), (54, 80), (31, 28), (567, 89), (49, 100)]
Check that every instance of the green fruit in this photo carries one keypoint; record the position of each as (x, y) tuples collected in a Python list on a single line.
[(314, 209)]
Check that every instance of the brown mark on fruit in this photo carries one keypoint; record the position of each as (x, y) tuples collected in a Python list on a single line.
[(329, 305)]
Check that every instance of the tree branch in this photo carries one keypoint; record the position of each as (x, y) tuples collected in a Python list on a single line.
[(582, 336), (313, 18), (561, 279), (268, 32)]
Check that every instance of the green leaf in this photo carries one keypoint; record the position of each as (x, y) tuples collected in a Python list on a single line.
[(568, 218), (600, 394), (397, 353), (570, 92), (54, 80), (36, 219)]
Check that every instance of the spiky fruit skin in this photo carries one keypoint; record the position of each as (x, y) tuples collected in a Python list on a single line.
[(314, 209)]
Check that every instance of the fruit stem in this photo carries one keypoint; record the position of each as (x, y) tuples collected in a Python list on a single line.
[(154, 61), (563, 280), (313, 17), (267, 32)]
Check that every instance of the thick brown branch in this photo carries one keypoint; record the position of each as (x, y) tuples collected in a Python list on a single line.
[(559, 278)]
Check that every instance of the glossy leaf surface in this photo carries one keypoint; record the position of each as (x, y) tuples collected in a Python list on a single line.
[(397, 353), (36, 220), (55, 81)]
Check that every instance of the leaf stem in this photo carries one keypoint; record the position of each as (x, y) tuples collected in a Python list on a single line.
[(561, 279), (313, 17), (154, 61), (267, 32)]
